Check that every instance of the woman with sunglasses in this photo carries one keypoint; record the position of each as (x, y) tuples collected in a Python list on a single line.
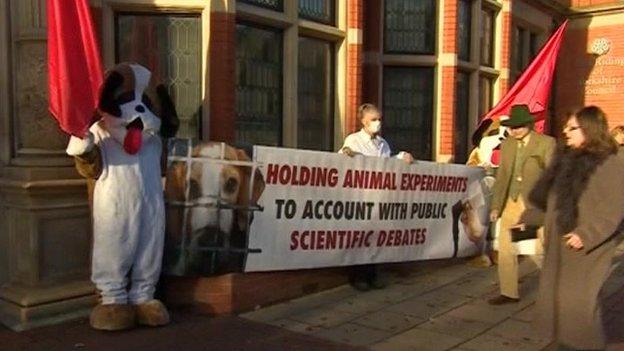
[(581, 195)]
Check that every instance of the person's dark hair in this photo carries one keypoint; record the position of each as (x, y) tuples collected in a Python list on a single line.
[(593, 123), (364, 108)]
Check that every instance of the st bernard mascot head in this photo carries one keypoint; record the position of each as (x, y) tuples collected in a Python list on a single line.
[(487, 140), (133, 106)]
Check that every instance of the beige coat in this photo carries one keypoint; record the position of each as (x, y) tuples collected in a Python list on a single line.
[(538, 151), (567, 307)]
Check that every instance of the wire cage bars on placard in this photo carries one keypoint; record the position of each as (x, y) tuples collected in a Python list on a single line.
[(210, 205)]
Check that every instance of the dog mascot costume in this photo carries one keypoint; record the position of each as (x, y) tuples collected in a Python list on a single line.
[(123, 153)]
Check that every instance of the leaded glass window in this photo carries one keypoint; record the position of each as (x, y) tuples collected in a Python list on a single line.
[(258, 85), (487, 37), (317, 10), (170, 46), (408, 109), (315, 97), (518, 52), (464, 22), (462, 115), (409, 26), (485, 94), (533, 46), (276, 5)]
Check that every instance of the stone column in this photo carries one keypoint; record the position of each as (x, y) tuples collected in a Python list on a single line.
[(44, 214)]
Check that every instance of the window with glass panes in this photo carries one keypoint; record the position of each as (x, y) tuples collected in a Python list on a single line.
[(315, 120), (464, 21), (525, 47), (258, 85), (170, 46), (408, 109), (485, 94), (533, 46), (409, 26), (270, 4), (518, 52), (462, 117), (486, 37), (262, 117), (472, 102), (317, 10)]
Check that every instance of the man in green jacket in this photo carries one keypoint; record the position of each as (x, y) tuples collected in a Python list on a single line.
[(524, 156)]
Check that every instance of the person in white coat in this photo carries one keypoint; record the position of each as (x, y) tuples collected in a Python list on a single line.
[(368, 142)]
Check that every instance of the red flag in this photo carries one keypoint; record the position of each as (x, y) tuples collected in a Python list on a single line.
[(74, 65), (533, 86)]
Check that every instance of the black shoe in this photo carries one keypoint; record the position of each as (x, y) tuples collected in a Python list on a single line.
[(502, 300), (377, 283), (360, 285)]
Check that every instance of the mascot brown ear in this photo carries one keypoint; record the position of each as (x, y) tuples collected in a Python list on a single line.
[(479, 133), (168, 115), (108, 102)]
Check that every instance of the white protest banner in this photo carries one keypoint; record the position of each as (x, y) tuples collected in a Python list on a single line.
[(323, 209)]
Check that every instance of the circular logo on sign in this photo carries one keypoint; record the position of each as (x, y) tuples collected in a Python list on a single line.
[(600, 46)]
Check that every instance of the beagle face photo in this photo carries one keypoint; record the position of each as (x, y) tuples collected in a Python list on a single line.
[(134, 107), (209, 233)]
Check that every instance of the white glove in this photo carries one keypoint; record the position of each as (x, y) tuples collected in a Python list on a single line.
[(78, 146)]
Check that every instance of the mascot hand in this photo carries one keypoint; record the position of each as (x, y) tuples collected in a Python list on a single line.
[(78, 146)]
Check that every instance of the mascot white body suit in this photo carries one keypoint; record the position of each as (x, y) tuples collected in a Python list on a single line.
[(123, 153), (128, 220)]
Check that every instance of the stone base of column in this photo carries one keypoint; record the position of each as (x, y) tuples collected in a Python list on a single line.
[(23, 308)]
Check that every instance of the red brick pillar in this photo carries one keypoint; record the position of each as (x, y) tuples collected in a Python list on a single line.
[(355, 24), (505, 50), (372, 52), (222, 68), (448, 65)]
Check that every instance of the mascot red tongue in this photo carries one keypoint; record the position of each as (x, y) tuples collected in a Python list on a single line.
[(134, 137)]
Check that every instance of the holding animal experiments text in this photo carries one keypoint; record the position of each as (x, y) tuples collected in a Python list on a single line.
[(360, 180)]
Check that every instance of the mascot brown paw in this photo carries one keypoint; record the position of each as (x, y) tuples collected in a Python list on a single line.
[(113, 317), (152, 313)]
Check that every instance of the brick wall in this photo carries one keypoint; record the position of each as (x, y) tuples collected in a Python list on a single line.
[(585, 3), (235, 293), (222, 76), (585, 79), (447, 110), (449, 42), (449, 49), (355, 25), (505, 52), (372, 51)]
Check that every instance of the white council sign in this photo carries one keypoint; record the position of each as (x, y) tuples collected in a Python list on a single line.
[(323, 209)]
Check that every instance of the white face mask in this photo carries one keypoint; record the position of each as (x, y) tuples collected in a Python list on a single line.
[(374, 126)]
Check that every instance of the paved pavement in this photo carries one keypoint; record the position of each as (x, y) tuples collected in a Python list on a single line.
[(435, 305), (187, 332)]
